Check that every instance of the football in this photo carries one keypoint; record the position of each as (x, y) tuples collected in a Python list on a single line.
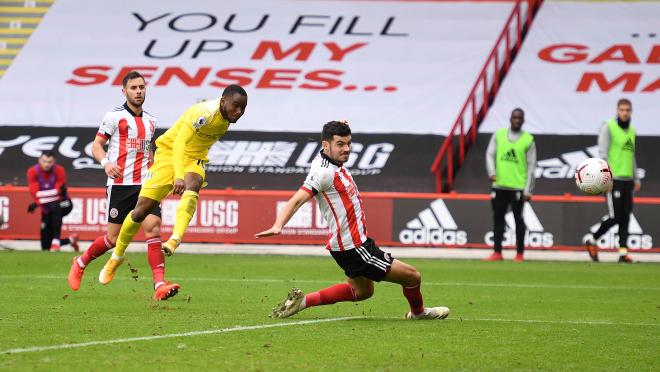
[(593, 176)]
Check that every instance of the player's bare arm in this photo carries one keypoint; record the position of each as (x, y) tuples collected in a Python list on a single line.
[(112, 170), (297, 200), (179, 152)]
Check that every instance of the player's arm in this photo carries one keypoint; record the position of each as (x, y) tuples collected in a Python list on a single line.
[(297, 200), (33, 187), (183, 136), (636, 176), (531, 171), (490, 157), (60, 180), (33, 183), (112, 170), (604, 141), (106, 130)]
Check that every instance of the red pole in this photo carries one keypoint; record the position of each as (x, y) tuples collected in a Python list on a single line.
[(507, 44), (496, 82), (473, 128), (461, 145), (484, 106), (450, 164), (518, 26)]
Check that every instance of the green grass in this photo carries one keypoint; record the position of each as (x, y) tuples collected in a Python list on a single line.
[(505, 316)]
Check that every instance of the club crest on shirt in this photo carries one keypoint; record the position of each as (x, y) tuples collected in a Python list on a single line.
[(200, 122)]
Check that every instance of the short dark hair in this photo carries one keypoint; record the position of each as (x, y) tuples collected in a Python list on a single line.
[(333, 128), (233, 89), (624, 101), (48, 154), (130, 76), (519, 110)]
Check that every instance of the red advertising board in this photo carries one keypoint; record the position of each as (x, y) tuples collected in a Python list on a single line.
[(400, 219), (222, 216)]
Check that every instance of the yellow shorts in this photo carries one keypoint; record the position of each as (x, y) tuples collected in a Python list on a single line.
[(160, 179)]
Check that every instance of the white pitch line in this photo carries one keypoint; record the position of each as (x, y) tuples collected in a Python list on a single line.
[(315, 281), (577, 322), (302, 322), (186, 334)]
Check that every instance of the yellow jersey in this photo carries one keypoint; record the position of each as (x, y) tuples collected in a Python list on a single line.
[(194, 133)]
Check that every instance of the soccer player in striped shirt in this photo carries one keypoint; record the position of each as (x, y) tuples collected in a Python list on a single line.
[(179, 168), (128, 130), (358, 255)]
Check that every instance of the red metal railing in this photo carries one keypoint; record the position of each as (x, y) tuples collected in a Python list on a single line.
[(485, 88)]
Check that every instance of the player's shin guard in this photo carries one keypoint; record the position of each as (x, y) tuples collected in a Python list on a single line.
[(414, 297), (156, 260), (184, 213), (333, 294), (128, 230)]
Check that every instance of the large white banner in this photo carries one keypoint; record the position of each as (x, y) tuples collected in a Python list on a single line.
[(386, 66), (577, 61)]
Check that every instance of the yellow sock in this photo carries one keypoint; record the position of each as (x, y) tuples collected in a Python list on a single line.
[(128, 230), (623, 251), (184, 213)]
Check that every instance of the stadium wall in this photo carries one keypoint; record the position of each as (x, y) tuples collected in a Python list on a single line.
[(394, 219)]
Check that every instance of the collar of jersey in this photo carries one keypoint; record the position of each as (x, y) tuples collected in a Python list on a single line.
[(324, 156), (131, 111)]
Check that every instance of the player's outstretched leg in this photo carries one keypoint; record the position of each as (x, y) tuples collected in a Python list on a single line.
[(97, 249), (162, 288), (184, 213), (297, 301), (411, 281), (292, 304), (166, 290), (75, 274), (128, 230), (430, 313)]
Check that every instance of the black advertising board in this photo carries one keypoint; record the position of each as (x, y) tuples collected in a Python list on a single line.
[(469, 222), (557, 159), (242, 160)]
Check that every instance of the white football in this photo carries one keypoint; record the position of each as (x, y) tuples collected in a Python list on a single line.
[(593, 176)]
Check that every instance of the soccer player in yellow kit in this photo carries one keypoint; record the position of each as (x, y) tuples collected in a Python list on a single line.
[(179, 167)]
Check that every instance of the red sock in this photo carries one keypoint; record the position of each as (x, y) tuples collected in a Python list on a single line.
[(100, 246), (336, 293), (156, 259), (414, 297)]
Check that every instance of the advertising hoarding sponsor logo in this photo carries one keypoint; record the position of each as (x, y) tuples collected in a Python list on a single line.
[(564, 165), (4, 212), (433, 225), (211, 216), (535, 236), (636, 237), (308, 220), (275, 157), (256, 160)]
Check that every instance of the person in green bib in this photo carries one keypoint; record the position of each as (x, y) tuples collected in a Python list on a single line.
[(616, 145), (510, 162)]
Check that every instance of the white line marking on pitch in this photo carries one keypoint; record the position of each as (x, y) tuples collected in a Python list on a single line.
[(186, 334), (578, 322), (445, 284)]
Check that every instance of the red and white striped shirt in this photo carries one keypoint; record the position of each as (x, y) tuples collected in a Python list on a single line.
[(129, 143), (339, 201)]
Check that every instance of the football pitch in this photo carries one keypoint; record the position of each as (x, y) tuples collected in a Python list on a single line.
[(504, 316)]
